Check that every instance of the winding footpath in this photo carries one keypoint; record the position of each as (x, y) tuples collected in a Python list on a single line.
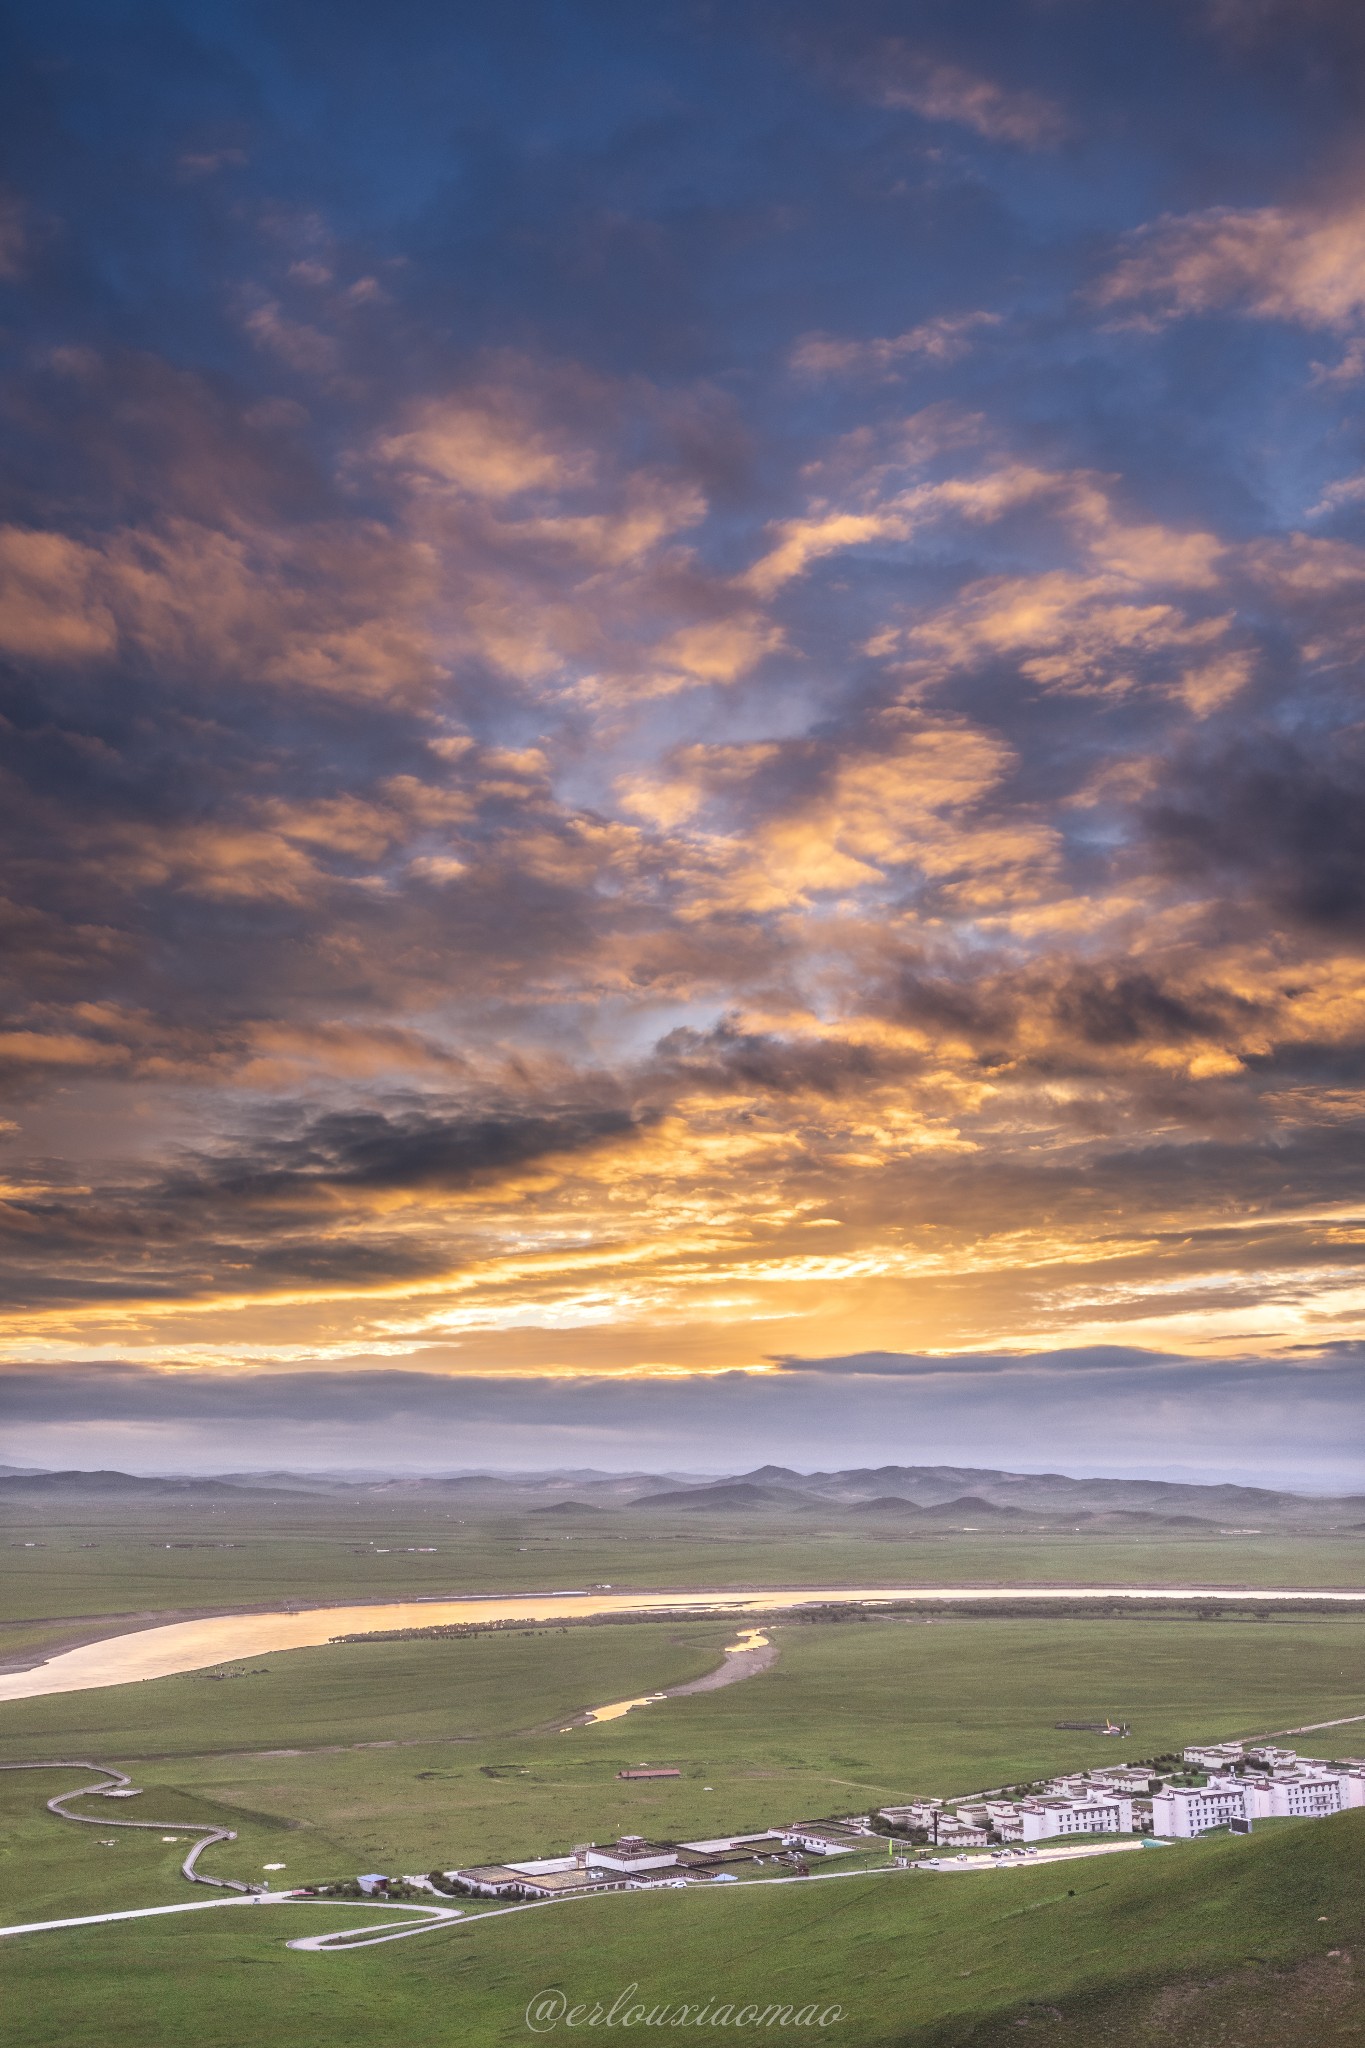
[(112, 1780)]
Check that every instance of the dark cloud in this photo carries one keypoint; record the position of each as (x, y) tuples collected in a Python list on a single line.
[(369, 1152), (304, 1207), (735, 1061), (1124, 1008), (1088, 1359), (1276, 819)]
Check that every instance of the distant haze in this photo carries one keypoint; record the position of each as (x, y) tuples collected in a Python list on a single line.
[(1109, 1411)]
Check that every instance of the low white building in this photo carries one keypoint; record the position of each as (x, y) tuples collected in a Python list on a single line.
[(1214, 1756), (1098, 1813), (918, 1813), (632, 1854), (1006, 1819), (716, 1845), (1131, 1778), (821, 1838), (961, 1834), (540, 1877), (1266, 1757)]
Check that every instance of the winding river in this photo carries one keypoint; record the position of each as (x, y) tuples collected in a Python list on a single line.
[(180, 1646)]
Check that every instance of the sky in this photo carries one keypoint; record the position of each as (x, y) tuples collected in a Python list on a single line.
[(682, 734)]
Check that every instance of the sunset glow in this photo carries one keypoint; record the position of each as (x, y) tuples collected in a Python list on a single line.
[(683, 726)]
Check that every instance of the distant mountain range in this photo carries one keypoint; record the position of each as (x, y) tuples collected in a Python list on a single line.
[(17, 1485), (891, 1496)]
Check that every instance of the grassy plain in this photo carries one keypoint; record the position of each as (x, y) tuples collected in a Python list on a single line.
[(403, 1755), (1176, 1945), (115, 1558)]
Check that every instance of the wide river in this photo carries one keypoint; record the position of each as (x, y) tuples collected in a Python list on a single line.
[(223, 1638)]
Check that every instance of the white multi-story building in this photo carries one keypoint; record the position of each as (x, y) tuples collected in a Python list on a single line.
[(1302, 1790), (1304, 1795), (1097, 1813), (1185, 1810), (1353, 1786)]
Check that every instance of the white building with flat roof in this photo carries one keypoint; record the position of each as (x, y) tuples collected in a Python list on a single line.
[(916, 1813), (822, 1838), (630, 1854), (1214, 1756), (1302, 1795), (1133, 1778), (1185, 1810), (1301, 1791), (539, 1877), (1095, 1813)]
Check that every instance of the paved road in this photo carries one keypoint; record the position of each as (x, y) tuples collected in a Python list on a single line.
[(371, 1937), (431, 1915), (1315, 1727), (133, 1913), (336, 1943), (340, 1940), (1031, 1862)]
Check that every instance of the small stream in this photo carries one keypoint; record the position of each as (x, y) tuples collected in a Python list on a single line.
[(750, 1639)]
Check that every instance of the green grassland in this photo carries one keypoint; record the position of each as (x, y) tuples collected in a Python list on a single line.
[(415, 1754), (404, 1755), (113, 1558), (1171, 1945)]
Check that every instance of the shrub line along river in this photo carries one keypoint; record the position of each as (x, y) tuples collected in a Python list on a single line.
[(193, 1645)]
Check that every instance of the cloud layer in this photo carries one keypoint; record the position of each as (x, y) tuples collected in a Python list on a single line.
[(683, 698)]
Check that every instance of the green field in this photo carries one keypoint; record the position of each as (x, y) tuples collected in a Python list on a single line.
[(402, 1756), (853, 1715), (112, 1558), (1219, 1942)]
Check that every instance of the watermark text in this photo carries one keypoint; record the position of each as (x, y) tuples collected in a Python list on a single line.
[(548, 2010)]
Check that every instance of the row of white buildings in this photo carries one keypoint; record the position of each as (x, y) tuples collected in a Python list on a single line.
[(632, 1862), (1063, 1809), (1242, 1785), (1250, 1785)]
